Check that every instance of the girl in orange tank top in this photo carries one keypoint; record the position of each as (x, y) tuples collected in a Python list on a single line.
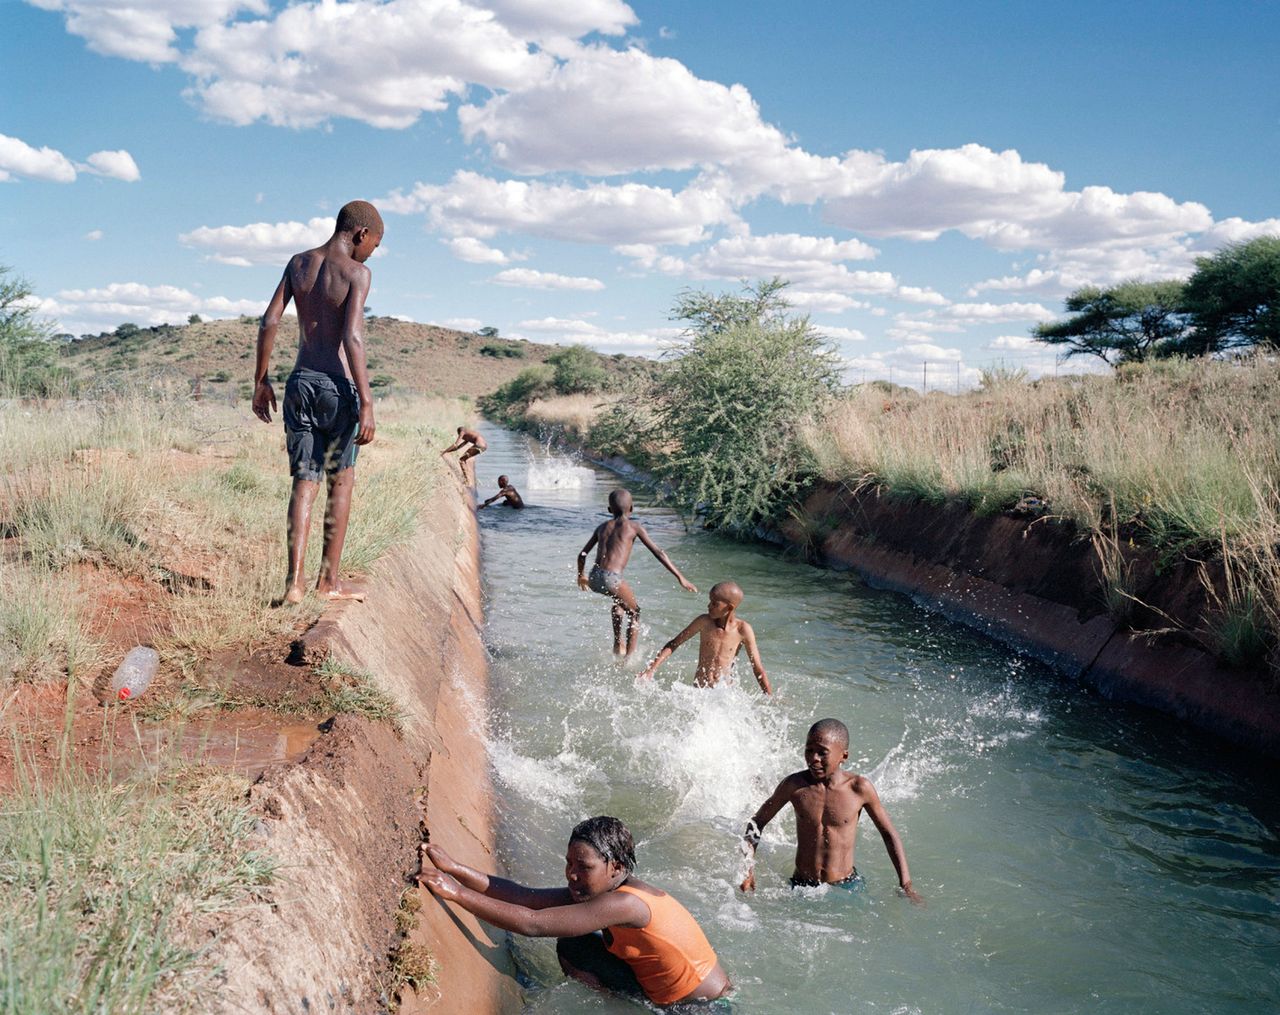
[(650, 942), (670, 956)]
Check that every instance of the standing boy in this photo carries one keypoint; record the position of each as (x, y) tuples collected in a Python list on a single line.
[(721, 635), (509, 495), (478, 445), (616, 537), (328, 407), (828, 802)]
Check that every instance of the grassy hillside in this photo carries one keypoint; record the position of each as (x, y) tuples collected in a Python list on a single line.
[(401, 355)]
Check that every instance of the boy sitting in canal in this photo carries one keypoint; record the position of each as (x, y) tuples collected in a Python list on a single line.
[(615, 931), (828, 802), (616, 537), (509, 494), (721, 635)]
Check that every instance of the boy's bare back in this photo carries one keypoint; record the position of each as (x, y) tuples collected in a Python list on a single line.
[(321, 282), (615, 540)]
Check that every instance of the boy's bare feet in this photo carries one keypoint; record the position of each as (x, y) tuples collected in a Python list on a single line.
[(294, 594), (341, 592)]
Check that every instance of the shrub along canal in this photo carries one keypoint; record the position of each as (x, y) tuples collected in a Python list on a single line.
[(1075, 855)]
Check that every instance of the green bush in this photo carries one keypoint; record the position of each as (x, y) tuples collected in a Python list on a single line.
[(578, 370), (518, 392), (381, 381), (501, 351), (28, 355), (731, 408)]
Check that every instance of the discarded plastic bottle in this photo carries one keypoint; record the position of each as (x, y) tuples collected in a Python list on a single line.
[(133, 675)]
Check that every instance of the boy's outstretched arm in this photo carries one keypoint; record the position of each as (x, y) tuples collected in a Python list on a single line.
[(753, 653), (755, 828), (665, 653), (582, 560), (264, 396), (892, 842), (663, 559), (353, 345)]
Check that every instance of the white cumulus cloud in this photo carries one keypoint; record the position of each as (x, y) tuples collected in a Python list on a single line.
[(468, 248), (381, 62), (143, 29), (529, 278), (607, 111), (258, 242), (632, 213), (991, 312), (17, 158), (81, 311), (118, 165), (564, 19)]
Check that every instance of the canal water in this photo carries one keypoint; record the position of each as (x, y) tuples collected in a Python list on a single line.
[(1075, 855)]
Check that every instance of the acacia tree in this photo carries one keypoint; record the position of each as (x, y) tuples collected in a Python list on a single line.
[(28, 359), (1126, 323), (1233, 298), (730, 408)]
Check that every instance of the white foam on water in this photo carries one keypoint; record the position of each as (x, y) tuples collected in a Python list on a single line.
[(946, 745), (721, 750), (558, 473), (558, 783)]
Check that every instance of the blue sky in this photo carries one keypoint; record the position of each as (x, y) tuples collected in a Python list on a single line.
[(933, 178)]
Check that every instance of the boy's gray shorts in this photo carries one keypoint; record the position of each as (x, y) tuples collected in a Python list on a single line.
[(321, 419), (602, 581)]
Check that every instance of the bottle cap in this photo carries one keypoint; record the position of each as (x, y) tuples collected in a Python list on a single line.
[(125, 694)]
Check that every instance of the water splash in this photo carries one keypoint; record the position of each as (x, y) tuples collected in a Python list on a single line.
[(558, 473)]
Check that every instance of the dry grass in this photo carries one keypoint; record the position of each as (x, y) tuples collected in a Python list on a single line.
[(151, 483), (1181, 454), (572, 415), (102, 886)]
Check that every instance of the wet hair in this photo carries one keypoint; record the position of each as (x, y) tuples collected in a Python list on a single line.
[(503, 481), (831, 729), (359, 215), (609, 837), (727, 592), (619, 501)]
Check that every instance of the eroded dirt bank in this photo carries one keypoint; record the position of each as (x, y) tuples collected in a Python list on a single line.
[(1036, 584), (346, 819)]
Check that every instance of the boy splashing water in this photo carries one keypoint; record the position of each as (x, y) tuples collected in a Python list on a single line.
[(721, 635), (616, 538), (328, 406)]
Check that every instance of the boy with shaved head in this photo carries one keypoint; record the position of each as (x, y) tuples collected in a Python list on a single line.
[(721, 635), (507, 493), (328, 406), (828, 802), (615, 539)]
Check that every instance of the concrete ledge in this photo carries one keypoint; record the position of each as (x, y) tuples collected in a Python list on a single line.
[(348, 818)]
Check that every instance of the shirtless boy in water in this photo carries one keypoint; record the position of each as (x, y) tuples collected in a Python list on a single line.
[(509, 494), (328, 406), (616, 537), (478, 447), (721, 636), (828, 802)]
